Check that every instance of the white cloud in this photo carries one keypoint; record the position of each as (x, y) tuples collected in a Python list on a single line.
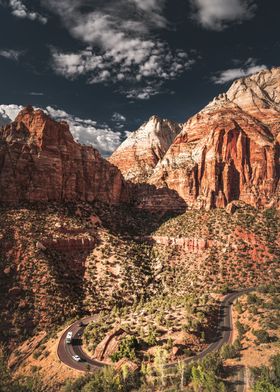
[(148, 5), (147, 63), (21, 11), (154, 9), (217, 14), (118, 117), (8, 113), (250, 67), (89, 132), (10, 54), (142, 94), (121, 45), (36, 94), (85, 131)]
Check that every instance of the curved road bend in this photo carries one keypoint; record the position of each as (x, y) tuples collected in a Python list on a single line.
[(66, 351)]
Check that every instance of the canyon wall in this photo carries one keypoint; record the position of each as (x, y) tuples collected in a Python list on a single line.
[(40, 161), (228, 151)]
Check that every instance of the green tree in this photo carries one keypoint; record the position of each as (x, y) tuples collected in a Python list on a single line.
[(265, 386), (275, 371), (207, 381), (151, 339), (160, 361), (213, 362), (181, 366), (126, 349), (241, 329), (228, 351)]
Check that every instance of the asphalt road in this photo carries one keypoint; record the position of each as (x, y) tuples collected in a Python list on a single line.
[(66, 351)]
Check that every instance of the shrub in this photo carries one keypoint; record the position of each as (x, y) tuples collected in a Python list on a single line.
[(151, 339), (228, 351), (240, 328), (262, 336), (126, 349)]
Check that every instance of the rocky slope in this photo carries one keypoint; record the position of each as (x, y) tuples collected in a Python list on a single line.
[(143, 149), (59, 261), (229, 150), (40, 161)]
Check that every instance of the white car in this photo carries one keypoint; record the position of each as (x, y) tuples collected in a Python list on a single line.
[(69, 336), (76, 358)]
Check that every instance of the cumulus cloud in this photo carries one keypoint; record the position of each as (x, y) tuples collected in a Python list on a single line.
[(146, 60), (85, 131), (250, 67), (8, 113), (21, 11), (121, 45), (11, 54), (217, 14)]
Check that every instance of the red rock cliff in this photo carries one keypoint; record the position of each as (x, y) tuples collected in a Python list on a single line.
[(229, 150), (40, 161)]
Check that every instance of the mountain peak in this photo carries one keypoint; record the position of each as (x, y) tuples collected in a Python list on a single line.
[(39, 127), (155, 118), (258, 95), (40, 161), (144, 148), (230, 149)]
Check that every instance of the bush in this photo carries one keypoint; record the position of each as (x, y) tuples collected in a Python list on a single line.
[(126, 349), (228, 351), (151, 339), (262, 336), (241, 329), (275, 366), (106, 380), (253, 299), (213, 363), (267, 379), (264, 386)]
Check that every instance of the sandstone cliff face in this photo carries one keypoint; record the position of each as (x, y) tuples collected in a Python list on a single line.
[(143, 149), (229, 150), (40, 161)]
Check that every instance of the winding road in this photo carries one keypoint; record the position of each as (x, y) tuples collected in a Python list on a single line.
[(67, 351)]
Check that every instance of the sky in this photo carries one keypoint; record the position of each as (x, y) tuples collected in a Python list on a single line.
[(106, 66)]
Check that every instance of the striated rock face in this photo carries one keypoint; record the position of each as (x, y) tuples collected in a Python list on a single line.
[(143, 149), (230, 150), (259, 95), (109, 344), (40, 161), (150, 198)]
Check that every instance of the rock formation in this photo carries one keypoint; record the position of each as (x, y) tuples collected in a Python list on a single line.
[(40, 161), (138, 155), (110, 344), (229, 150)]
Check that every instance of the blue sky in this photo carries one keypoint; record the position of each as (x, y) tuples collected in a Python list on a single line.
[(107, 66)]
